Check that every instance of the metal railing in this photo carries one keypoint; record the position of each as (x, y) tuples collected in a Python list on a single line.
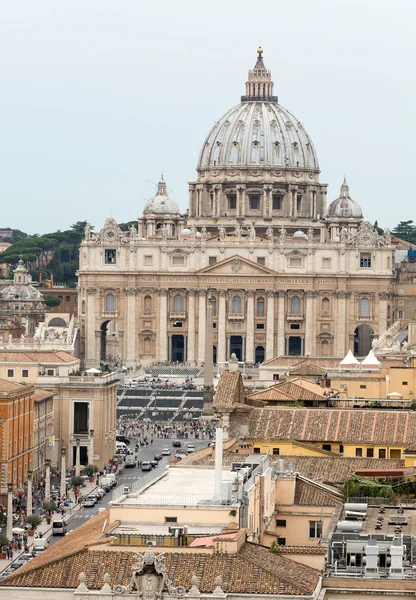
[(184, 499), (143, 482)]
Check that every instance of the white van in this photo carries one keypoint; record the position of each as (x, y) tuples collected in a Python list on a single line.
[(59, 527), (120, 445), (40, 544), (130, 461)]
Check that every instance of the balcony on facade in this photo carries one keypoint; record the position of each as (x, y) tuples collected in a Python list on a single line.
[(295, 317), (177, 315), (110, 314), (236, 316)]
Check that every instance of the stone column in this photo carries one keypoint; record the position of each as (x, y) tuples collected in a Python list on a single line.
[(91, 448), (243, 199), (130, 321), (90, 350), (208, 368), (281, 323), (78, 458), (250, 327), (221, 324), (309, 323), (191, 325), (382, 312), (9, 526), (163, 324), (341, 349), (47, 479), (201, 325), (29, 509), (63, 472), (270, 325)]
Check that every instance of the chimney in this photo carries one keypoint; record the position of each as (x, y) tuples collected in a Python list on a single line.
[(218, 461), (233, 363)]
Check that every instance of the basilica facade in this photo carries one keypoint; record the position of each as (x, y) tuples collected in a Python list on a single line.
[(284, 273)]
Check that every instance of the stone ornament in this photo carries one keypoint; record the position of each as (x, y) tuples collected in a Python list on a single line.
[(148, 578), (236, 265), (91, 291)]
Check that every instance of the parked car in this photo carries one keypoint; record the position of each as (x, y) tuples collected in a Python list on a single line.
[(176, 444), (166, 452), (88, 502), (158, 457), (190, 448), (101, 492), (146, 466), (154, 463)]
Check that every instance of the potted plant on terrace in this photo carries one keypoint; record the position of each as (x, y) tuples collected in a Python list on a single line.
[(49, 507), (76, 483), (34, 521), (90, 470), (4, 542)]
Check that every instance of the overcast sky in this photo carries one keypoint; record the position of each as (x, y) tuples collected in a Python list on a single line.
[(98, 97)]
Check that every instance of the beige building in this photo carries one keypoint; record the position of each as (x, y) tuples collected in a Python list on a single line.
[(43, 430), (84, 405), (285, 273)]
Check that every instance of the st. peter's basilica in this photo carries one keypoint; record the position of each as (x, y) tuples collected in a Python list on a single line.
[(285, 274)]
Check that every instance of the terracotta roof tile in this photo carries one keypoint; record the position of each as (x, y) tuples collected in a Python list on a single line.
[(295, 389), (42, 394), (311, 493), (230, 391), (36, 357), (8, 386)]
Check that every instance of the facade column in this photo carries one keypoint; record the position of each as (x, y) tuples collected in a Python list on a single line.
[(47, 480), (91, 357), (130, 320), (9, 527), (163, 324), (63, 472), (221, 324), (201, 325), (191, 325), (242, 189), (341, 323), (270, 325), (309, 323), (29, 502), (77, 458), (382, 312), (91, 448), (250, 327), (281, 323)]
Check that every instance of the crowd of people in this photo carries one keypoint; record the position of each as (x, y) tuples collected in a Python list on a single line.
[(146, 431)]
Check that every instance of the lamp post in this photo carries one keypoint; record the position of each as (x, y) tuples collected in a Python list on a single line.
[(78, 458), (63, 473), (29, 494), (47, 479), (9, 532), (91, 457)]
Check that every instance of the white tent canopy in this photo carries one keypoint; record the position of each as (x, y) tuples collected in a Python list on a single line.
[(394, 395), (371, 360), (349, 360), (93, 370)]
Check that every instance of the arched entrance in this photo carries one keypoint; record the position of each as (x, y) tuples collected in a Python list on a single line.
[(214, 354), (178, 348), (109, 349), (236, 346), (363, 337), (259, 354)]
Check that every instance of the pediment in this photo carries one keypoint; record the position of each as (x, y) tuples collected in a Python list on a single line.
[(236, 265)]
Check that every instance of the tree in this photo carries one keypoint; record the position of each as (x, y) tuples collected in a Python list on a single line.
[(34, 520), (49, 506), (405, 230), (52, 301), (4, 541)]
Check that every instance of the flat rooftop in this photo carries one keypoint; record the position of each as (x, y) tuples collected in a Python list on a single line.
[(134, 528), (387, 522), (180, 486)]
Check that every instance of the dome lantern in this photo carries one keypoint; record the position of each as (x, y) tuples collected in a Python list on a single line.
[(259, 86)]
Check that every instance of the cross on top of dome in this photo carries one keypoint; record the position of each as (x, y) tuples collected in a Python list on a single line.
[(259, 86)]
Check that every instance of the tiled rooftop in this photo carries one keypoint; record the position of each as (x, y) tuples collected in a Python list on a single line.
[(230, 391), (42, 394), (35, 357)]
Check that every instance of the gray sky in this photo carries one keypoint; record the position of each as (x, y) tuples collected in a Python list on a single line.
[(99, 96)]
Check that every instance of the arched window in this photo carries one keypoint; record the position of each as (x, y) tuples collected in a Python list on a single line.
[(325, 348), (148, 304), (236, 305), (364, 307), (67, 298), (109, 303), (260, 307), (325, 306), (295, 305), (178, 303), (147, 345), (259, 358), (214, 305)]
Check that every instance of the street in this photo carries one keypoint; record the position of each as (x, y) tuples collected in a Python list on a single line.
[(128, 476)]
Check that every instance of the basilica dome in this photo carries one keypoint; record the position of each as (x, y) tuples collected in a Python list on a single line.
[(344, 206), (258, 131), (161, 203)]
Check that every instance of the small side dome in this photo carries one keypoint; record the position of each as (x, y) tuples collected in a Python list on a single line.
[(300, 235), (161, 203), (185, 234), (345, 206)]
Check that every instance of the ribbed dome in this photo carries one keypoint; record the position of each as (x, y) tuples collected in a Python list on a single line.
[(258, 132), (21, 292), (161, 203), (344, 206)]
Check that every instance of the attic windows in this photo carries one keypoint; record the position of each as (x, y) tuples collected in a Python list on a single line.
[(110, 256), (365, 260)]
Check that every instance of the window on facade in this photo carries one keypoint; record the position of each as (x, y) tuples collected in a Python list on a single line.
[(212, 260), (295, 261), (81, 410), (236, 305), (326, 263), (260, 307), (325, 307), (276, 376), (276, 451), (363, 387), (256, 450), (261, 260), (364, 307), (110, 257), (178, 303), (25, 373), (178, 261), (299, 204), (109, 303), (315, 529), (254, 202), (148, 260), (277, 202), (214, 305), (171, 519), (10, 372), (404, 382), (401, 314), (382, 453), (232, 201), (326, 447), (281, 541), (295, 326), (260, 326), (280, 522), (365, 260), (295, 305), (50, 372), (341, 448), (370, 452), (67, 298), (148, 304), (358, 452)]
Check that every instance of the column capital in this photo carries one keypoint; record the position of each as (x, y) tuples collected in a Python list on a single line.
[(384, 295), (91, 291), (281, 293), (192, 292), (202, 292), (131, 291), (222, 293), (162, 292), (271, 293), (310, 293), (250, 293)]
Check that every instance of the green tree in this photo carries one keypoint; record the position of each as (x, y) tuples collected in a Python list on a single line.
[(405, 230), (52, 301)]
